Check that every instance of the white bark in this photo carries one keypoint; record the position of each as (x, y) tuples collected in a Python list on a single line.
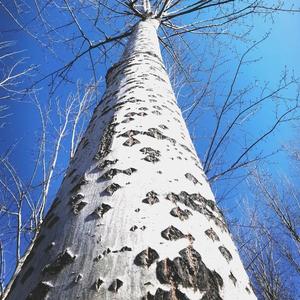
[(135, 216)]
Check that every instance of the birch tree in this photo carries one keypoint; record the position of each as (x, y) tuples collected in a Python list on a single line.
[(135, 217)]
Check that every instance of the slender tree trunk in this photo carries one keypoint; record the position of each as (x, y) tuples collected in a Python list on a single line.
[(135, 217)]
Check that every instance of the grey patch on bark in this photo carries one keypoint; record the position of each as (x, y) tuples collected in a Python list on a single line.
[(182, 214), (78, 278), (111, 189), (212, 234), (161, 294), (189, 271), (151, 198), (225, 252), (63, 259), (97, 284), (115, 285), (172, 234), (99, 212), (192, 178), (146, 258), (131, 142), (27, 274), (106, 141), (40, 291), (234, 280)]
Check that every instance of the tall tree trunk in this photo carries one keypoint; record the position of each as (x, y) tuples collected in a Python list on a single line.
[(135, 217)]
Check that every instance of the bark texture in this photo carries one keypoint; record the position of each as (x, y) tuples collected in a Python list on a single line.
[(135, 217)]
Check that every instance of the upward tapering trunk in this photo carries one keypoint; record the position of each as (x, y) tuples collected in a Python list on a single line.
[(135, 217)]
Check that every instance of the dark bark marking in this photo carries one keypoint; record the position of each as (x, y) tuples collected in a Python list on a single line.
[(111, 189), (78, 186), (101, 210), (133, 228), (106, 141), (113, 172), (77, 207), (127, 120), (212, 234), (40, 291), (232, 277), (192, 178), (152, 155), (78, 278), (97, 258), (182, 214), (225, 252), (115, 285), (156, 112), (97, 284), (107, 163), (131, 142), (157, 134), (76, 198), (172, 234), (63, 259), (146, 258), (123, 249), (162, 126), (107, 251), (129, 133), (161, 294), (200, 204), (189, 271), (151, 198)]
